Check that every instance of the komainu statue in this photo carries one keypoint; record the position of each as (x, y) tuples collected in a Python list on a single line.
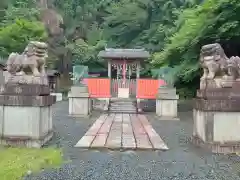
[(233, 66), (213, 61), (31, 61)]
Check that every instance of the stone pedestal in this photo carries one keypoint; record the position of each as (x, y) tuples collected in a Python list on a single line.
[(59, 96), (79, 102), (166, 104), (25, 114), (216, 117)]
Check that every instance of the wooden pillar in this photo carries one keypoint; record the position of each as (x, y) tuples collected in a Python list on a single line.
[(109, 69), (109, 76), (137, 77), (138, 70), (124, 72)]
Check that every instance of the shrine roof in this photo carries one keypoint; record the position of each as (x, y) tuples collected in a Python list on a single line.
[(111, 53)]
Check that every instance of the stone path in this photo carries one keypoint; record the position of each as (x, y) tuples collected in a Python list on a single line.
[(122, 131)]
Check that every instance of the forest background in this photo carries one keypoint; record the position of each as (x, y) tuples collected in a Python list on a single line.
[(173, 31)]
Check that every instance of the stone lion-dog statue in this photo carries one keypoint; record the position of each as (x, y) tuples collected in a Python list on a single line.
[(215, 63), (31, 61)]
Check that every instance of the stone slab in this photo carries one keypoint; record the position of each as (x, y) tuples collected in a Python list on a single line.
[(155, 139), (114, 141), (93, 130), (14, 100), (85, 142), (116, 132), (128, 141), (99, 141), (105, 129), (143, 142), (127, 129)]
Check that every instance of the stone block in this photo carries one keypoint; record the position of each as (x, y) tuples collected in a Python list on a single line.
[(18, 100), (217, 130), (27, 79), (79, 106), (59, 96), (79, 102), (166, 109), (25, 125), (25, 89), (166, 103), (81, 91)]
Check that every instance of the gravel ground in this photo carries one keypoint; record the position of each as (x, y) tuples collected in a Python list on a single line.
[(182, 162)]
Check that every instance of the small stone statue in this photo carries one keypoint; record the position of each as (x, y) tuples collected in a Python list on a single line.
[(31, 61)]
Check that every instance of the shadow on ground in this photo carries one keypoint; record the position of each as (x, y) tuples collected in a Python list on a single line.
[(182, 162)]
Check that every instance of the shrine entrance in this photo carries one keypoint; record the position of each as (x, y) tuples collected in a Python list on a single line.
[(124, 67)]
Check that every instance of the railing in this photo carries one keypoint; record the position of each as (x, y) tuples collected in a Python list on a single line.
[(98, 87), (148, 88)]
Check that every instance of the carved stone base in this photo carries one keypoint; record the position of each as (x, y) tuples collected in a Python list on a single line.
[(25, 89), (27, 79)]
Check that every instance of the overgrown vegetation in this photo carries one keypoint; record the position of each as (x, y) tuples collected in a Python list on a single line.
[(18, 162), (172, 30)]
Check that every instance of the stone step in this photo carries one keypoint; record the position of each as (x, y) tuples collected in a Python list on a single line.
[(122, 106), (119, 100), (123, 103), (126, 111), (127, 106)]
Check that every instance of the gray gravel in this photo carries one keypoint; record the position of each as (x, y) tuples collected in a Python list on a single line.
[(182, 162)]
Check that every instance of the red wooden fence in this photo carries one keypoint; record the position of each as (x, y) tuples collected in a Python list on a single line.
[(148, 88), (99, 87)]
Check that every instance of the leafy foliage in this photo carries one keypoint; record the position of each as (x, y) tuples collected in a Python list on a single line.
[(172, 30), (14, 37), (212, 21)]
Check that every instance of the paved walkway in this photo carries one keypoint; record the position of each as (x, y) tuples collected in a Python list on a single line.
[(122, 131), (182, 161)]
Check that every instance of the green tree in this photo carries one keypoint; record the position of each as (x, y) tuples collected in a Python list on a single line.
[(211, 21), (14, 37)]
